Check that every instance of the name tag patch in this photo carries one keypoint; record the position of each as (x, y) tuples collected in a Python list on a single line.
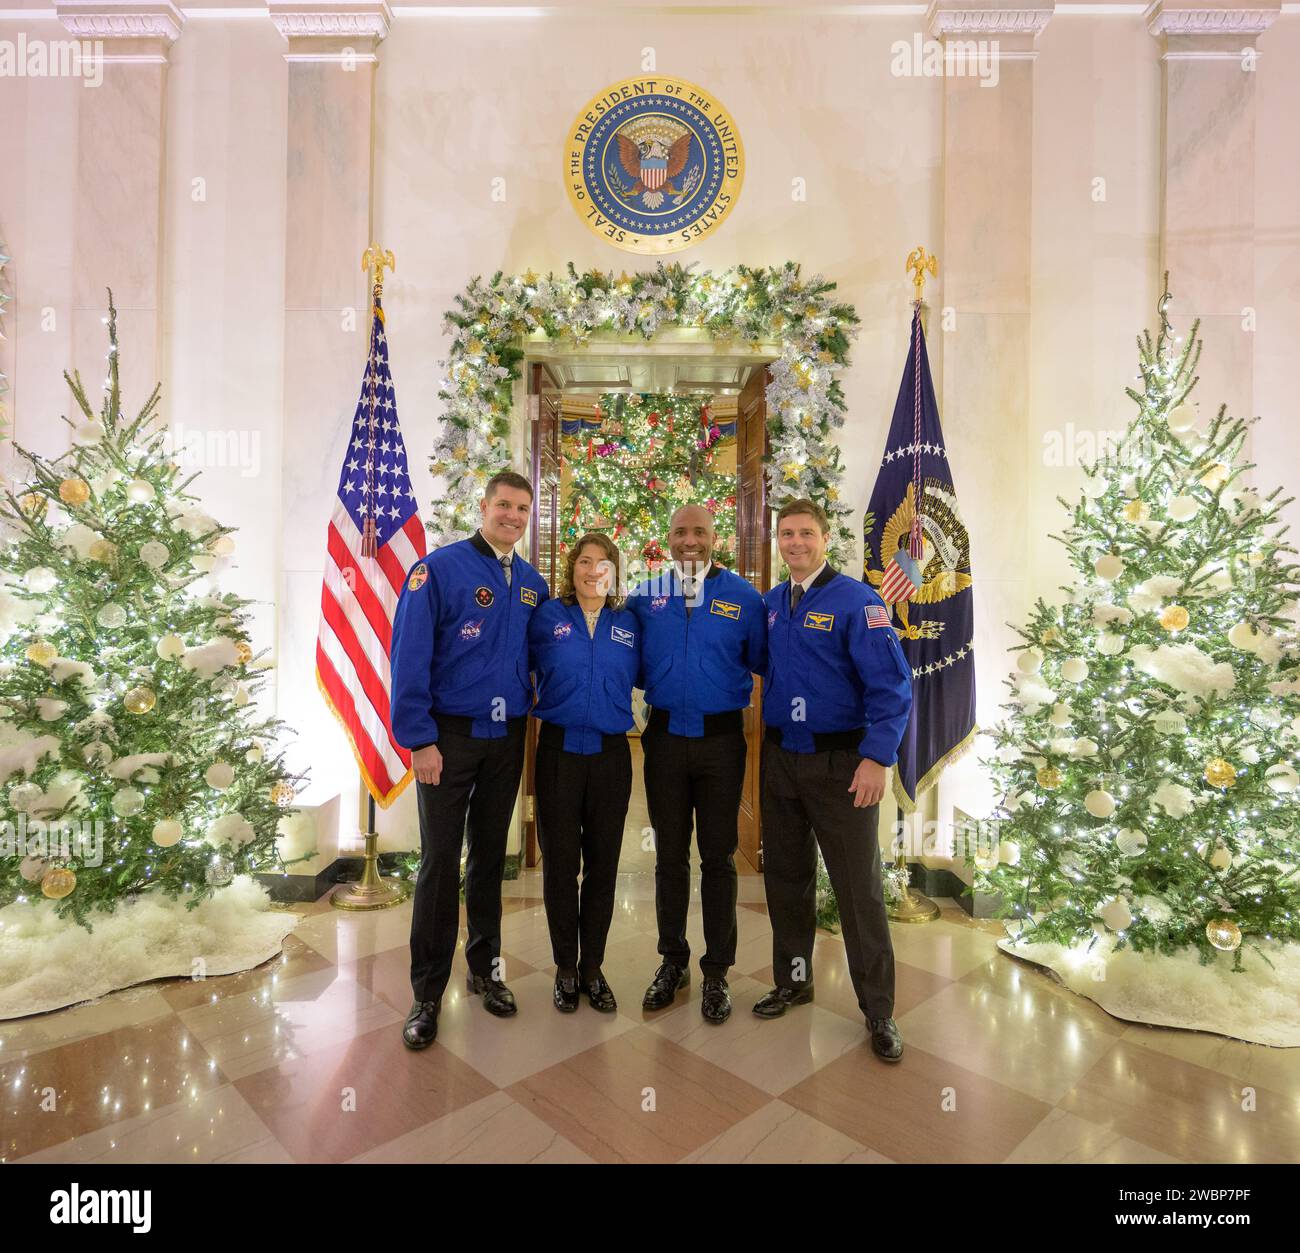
[(528, 596), (819, 621), (419, 576), (620, 636), (725, 609)]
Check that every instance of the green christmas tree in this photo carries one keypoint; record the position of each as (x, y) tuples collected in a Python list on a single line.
[(131, 756), (651, 454), (1147, 769)]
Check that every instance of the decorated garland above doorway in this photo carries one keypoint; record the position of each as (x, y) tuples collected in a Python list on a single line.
[(805, 402)]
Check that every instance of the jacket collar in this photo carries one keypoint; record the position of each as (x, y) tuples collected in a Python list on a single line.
[(487, 550)]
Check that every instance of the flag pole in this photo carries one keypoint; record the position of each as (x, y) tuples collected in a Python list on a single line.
[(371, 891), (913, 906)]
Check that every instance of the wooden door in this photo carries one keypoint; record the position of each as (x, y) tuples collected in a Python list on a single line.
[(753, 562), (544, 415)]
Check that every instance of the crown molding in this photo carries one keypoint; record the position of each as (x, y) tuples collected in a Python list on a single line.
[(962, 17), (120, 19), (320, 19), (1183, 18)]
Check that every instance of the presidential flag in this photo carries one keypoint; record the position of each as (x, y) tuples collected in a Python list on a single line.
[(374, 537), (917, 556)]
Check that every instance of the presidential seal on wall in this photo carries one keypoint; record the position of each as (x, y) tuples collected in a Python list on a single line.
[(653, 164)]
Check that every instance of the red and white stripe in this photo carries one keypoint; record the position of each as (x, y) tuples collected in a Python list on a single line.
[(358, 601)]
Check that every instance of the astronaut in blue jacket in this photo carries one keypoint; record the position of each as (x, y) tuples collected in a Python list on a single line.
[(461, 692), (836, 699), (703, 638), (585, 650)]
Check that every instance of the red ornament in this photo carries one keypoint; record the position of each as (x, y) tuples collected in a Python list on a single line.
[(653, 419), (591, 448)]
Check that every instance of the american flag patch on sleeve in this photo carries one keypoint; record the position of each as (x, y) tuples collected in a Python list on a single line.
[(877, 615)]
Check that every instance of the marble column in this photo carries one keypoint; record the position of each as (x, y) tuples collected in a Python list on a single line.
[(979, 327), (117, 230), (1209, 79), (331, 54)]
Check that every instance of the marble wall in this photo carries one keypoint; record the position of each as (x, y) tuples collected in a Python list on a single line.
[(229, 169)]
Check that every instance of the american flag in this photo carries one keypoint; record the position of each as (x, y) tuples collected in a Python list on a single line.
[(375, 536)]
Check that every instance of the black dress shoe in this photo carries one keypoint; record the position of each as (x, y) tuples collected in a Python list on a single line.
[(566, 991), (599, 993), (774, 1003), (668, 981), (497, 998), (421, 1027), (715, 999), (885, 1040)]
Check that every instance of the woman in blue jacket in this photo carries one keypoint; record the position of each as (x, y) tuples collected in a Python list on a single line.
[(585, 649)]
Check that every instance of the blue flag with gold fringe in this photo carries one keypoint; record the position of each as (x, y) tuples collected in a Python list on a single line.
[(916, 554)]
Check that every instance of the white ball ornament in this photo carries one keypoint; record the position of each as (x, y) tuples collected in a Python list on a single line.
[(1060, 715), (111, 616), (240, 697), (1084, 747), (97, 753), (170, 647), (1109, 644), (88, 433), (1182, 417), (153, 554), (254, 754), (32, 868), (1099, 803), (1181, 508), (1221, 859), (1170, 722), (127, 802), (1074, 670), (1095, 488), (1244, 636), (1109, 567), (140, 491), (1030, 661), (222, 546), (1282, 778), (166, 832), (1009, 853), (203, 562), (220, 775), (40, 579), (1130, 842), (1116, 914), (23, 796)]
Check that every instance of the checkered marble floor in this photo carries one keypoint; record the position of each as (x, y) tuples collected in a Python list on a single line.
[(302, 1060)]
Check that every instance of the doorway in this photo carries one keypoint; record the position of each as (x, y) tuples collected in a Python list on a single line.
[(565, 385)]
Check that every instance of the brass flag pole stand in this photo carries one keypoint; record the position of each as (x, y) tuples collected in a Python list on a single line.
[(913, 906), (371, 891)]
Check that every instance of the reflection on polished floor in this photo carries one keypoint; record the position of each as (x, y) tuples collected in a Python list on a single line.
[(302, 1060)]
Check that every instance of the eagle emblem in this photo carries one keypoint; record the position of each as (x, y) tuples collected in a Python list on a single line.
[(944, 565), (654, 151)]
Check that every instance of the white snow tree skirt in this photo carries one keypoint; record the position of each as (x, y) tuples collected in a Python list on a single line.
[(1260, 1004), (47, 962)]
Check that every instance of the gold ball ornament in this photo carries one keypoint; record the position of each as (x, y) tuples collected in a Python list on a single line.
[(1174, 618), (104, 551), (42, 652), (282, 793), (74, 491), (1215, 476), (1049, 777), (33, 504), (1220, 773), (1137, 511), (1224, 934), (58, 882), (139, 700), (243, 652)]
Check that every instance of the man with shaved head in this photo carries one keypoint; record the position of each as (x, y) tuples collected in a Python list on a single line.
[(703, 636)]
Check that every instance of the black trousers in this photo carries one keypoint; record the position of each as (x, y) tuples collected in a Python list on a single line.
[(803, 793), (695, 780), (581, 807), (480, 779)]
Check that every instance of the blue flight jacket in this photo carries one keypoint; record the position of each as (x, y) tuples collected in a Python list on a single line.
[(704, 664), (836, 665), (460, 642), (584, 682)]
